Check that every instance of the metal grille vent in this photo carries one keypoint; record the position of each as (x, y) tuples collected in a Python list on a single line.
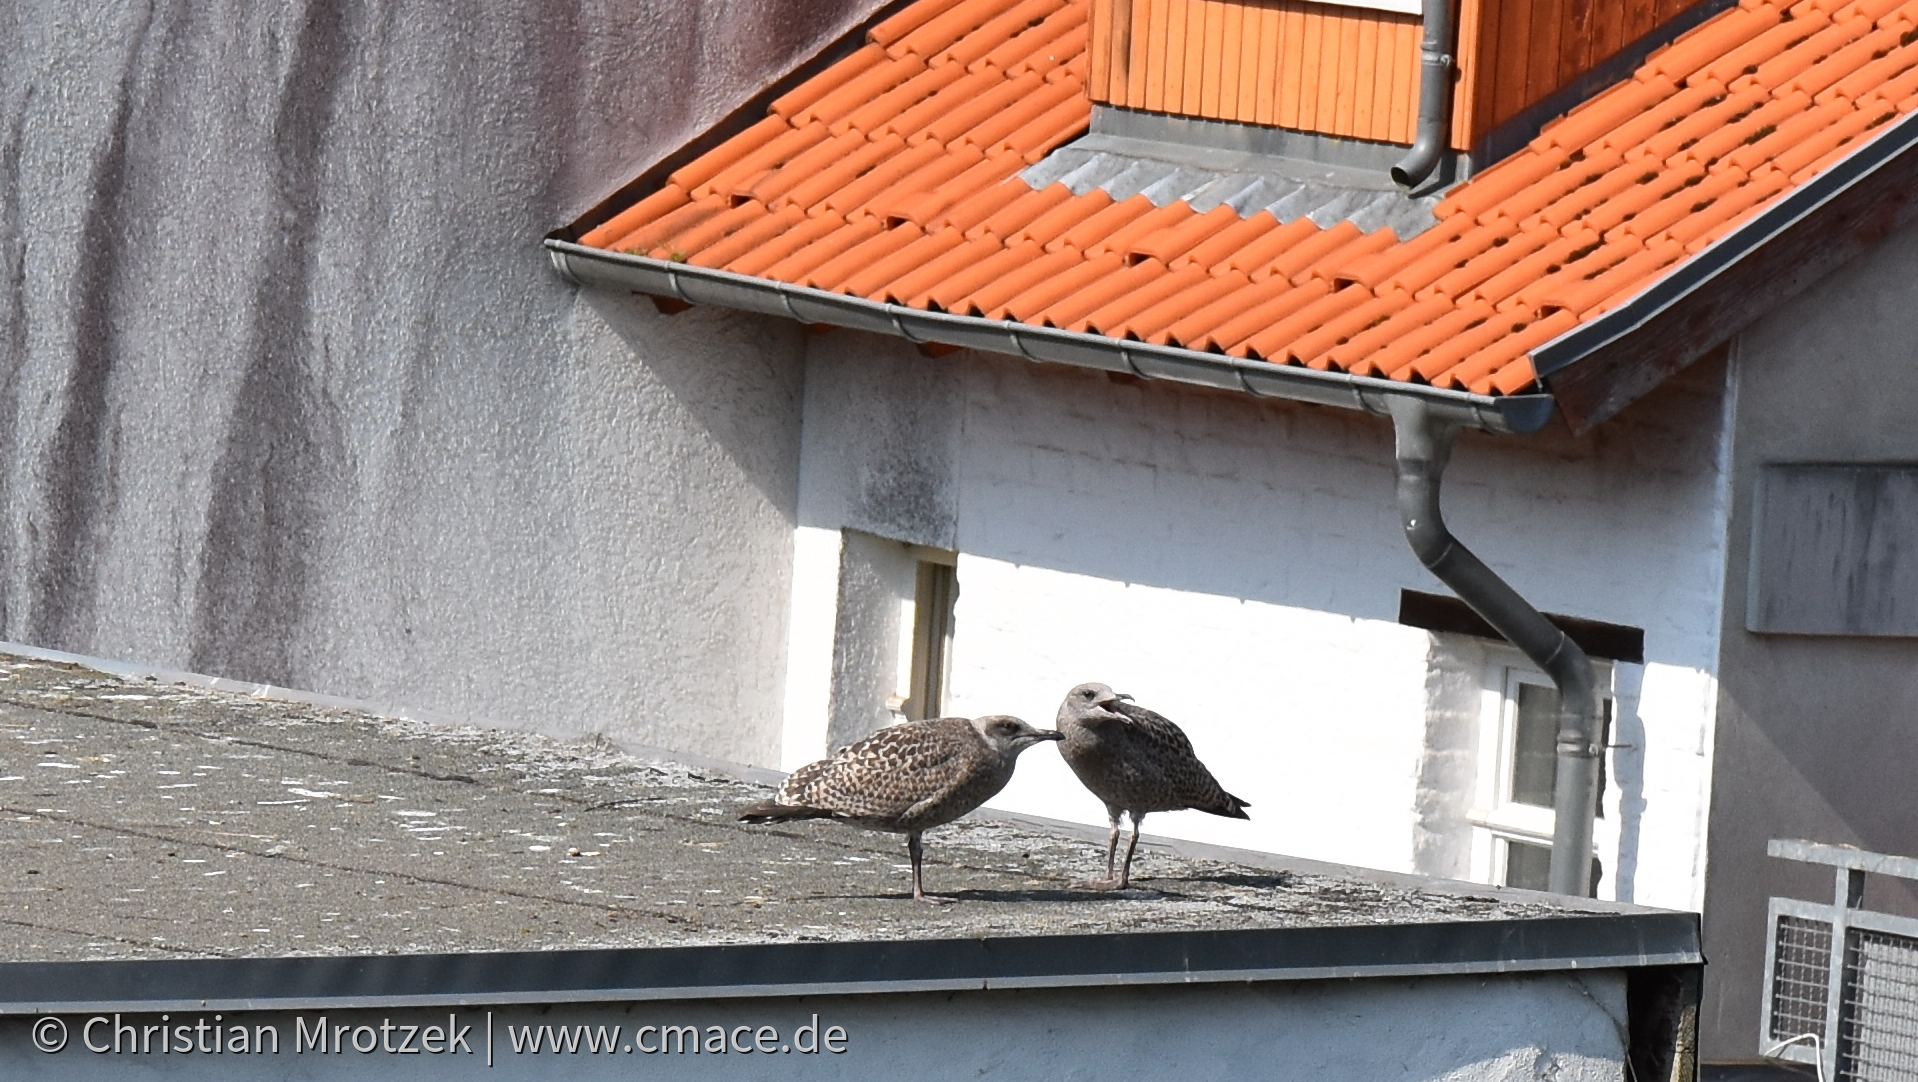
[(1801, 970), (1879, 1023), (1841, 980)]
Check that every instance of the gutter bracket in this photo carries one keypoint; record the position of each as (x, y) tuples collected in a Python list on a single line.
[(1424, 447)]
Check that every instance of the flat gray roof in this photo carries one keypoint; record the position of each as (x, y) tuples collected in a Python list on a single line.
[(152, 820)]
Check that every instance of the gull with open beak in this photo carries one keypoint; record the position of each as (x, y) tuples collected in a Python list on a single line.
[(1137, 762)]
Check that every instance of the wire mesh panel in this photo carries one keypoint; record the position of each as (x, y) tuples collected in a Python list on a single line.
[(1800, 974), (1878, 1028)]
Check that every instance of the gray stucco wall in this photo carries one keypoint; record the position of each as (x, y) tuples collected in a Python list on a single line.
[(288, 393), (1815, 735)]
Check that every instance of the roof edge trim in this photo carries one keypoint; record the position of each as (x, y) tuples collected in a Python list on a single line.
[(1672, 289), (727, 971), (1507, 414)]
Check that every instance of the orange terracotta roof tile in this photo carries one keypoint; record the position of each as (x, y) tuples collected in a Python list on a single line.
[(1049, 226), (915, 286), (1153, 323), (1027, 305), (873, 280), (894, 174), (1074, 312), (992, 299)]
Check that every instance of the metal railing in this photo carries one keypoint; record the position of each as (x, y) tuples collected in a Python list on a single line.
[(1840, 953)]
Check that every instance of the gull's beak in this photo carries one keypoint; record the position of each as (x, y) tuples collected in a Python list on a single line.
[(1049, 734)]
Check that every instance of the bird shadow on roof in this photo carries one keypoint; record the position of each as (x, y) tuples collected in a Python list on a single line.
[(1274, 881), (976, 894)]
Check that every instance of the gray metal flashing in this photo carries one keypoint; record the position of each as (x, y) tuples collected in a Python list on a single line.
[(701, 285), (1199, 133), (1248, 181), (1611, 941), (1673, 287)]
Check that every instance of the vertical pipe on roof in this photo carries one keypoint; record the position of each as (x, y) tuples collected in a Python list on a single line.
[(1435, 95), (1424, 445)]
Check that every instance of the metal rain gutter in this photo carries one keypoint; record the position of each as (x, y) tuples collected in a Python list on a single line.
[(1424, 445), (1435, 95), (1676, 285), (582, 265)]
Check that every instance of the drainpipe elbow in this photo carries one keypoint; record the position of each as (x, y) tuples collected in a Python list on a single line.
[(1436, 66), (1423, 446), (1410, 171)]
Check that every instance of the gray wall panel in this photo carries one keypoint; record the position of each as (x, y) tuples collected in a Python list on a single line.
[(1835, 550)]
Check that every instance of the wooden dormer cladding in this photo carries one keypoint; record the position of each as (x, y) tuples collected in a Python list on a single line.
[(1512, 53), (1348, 71), (1294, 64)]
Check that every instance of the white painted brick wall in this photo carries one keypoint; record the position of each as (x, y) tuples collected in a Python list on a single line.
[(1237, 565)]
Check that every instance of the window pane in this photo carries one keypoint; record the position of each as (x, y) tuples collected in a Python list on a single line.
[(1535, 746), (935, 591), (1527, 865)]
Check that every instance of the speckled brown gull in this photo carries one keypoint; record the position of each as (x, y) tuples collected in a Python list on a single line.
[(906, 778), (1136, 761)]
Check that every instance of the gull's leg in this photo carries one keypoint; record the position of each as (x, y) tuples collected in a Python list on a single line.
[(1125, 874), (917, 851), (1112, 853)]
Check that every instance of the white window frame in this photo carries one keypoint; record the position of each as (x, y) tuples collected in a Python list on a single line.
[(1494, 816)]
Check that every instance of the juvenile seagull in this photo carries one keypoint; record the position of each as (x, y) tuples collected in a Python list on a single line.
[(1136, 761), (906, 778)]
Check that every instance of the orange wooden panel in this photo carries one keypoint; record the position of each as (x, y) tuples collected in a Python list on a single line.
[(1405, 67), (1155, 51), (1247, 108), (1513, 38), (1175, 58), (1232, 58), (1364, 65), (1192, 80), (1288, 63), (1311, 53), (1098, 74), (1345, 85), (1137, 47), (1542, 74), (1266, 90), (1117, 47), (1465, 102), (1291, 40), (1212, 64), (1639, 18), (1608, 30), (1575, 40)]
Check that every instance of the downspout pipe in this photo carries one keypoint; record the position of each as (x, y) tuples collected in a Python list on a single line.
[(1435, 96), (1424, 445)]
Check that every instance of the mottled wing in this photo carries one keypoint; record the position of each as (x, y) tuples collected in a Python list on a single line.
[(887, 773), (1158, 746)]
